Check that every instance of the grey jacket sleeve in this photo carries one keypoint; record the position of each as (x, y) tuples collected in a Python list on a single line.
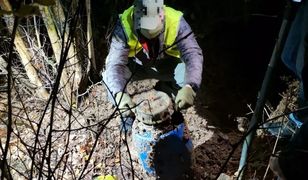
[(117, 72), (191, 54)]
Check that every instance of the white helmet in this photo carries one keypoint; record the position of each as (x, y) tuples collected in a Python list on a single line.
[(149, 17)]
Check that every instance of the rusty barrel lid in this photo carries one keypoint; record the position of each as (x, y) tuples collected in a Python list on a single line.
[(153, 107)]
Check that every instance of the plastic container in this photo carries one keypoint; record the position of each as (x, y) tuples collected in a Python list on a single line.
[(162, 149), (160, 137)]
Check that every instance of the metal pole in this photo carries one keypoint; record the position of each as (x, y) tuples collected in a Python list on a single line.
[(284, 29)]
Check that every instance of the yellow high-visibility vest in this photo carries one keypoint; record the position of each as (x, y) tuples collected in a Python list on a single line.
[(172, 21)]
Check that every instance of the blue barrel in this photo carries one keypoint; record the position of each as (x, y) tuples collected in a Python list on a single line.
[(163, 151)]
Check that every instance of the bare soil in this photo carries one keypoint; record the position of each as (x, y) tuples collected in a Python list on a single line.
[(212, 146), (89, 143)]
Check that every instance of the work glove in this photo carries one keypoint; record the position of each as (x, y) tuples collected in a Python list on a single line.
[(125, 104), (184, 98)]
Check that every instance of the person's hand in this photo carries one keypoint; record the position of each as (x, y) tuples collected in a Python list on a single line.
[(125, 104), (184, 98)]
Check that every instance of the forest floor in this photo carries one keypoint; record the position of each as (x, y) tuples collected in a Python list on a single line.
[(212, 145), (89, 142)]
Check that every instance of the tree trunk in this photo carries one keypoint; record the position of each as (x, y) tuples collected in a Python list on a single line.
[(56, 46), (75, 64), (90, 36)]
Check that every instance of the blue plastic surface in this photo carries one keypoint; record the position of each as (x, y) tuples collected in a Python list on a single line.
[(145, 141)]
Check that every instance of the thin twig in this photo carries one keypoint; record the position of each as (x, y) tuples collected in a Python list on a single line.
[(4, 165)]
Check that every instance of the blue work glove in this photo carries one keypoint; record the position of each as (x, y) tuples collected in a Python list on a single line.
[(125, 104), (184, 98)]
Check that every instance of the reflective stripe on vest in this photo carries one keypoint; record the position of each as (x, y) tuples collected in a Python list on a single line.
[(172, 21)]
